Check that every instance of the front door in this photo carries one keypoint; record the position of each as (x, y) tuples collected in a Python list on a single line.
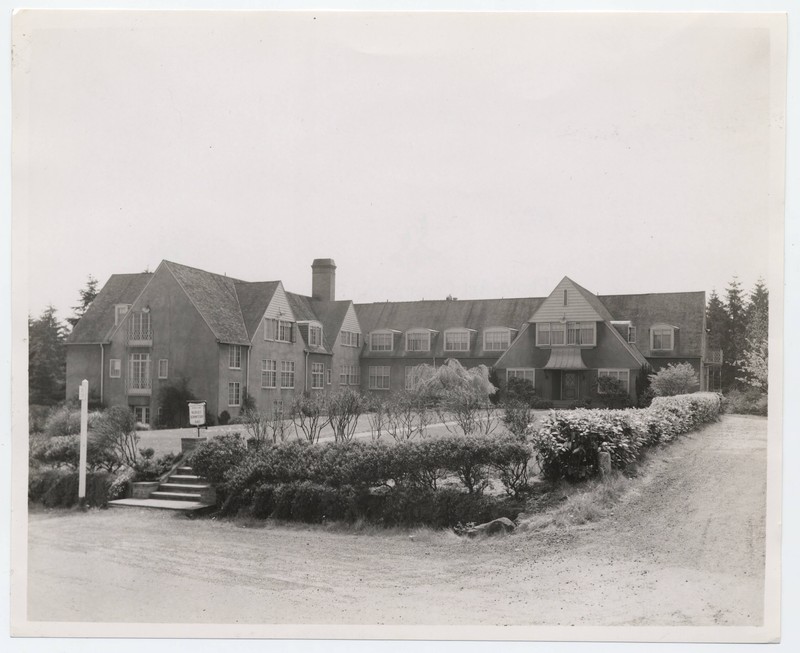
[(570, 387)]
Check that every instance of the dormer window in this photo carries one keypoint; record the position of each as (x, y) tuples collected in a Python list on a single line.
[(555, 334), (351, 339), (314, 335), (381, 341), (456, 340), (662, 337), (278, 330), (120, 310), (418, 340), (497, 339)]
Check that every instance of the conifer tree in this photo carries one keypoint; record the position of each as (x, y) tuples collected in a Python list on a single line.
[(46, 359), (87, 295)]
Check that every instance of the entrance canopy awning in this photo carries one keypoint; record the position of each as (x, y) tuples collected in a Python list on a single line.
[(565, 358)]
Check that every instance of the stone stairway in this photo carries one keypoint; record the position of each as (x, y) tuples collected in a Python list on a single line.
[(182, 490)]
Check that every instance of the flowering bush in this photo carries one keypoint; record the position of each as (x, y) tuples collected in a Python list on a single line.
[(568, 443)]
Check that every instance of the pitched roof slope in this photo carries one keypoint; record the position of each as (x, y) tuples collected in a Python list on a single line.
[(214, 296), (98, 321), (332, 315), (446, 314), (593, 300), (254, 298), (304, 312)]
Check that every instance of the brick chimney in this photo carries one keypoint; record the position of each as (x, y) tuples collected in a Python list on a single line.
[(323, 279)]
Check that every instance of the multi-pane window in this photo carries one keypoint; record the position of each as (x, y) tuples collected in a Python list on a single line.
[(456, 341), (623, 376), (287, 374), (661, 338), (163, 367), (351, 338), (418, 341), (496, 339), (234, 393), (115, 368), (571, 333), (139, 326), (235, 356), (280, 330), (139, 371), (317, 375), (350, 375), (141, 414), (527, 374), (557, 333), (314, 336), (380, 341), (379, 377), (580, 333), (269, 373)]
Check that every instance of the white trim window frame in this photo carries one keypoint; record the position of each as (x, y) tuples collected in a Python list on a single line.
[(527, 373), (115, 368), (163, 368), (235, 357), (278, 330), (623, 375), (234, 393), (381, 341), (139, 371), (418, 340), (317, 376), (269, 374), (632, 334), (350, 339), (456, 340), (496, 339), (287, 375), (314, 335), (379, 377), (120, 311), (581, 333), (329, 376), (658, 334)]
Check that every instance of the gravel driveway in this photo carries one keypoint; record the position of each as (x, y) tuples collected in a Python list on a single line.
[(685, 547)]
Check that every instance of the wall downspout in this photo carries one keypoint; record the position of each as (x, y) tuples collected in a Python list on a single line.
[(247, 371), (102, 369), (305, 374)]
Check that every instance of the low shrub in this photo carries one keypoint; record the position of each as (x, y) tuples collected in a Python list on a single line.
[(214, 458), (64, 451), (746, 402), (568, 443), (55, 488), (149, 468)]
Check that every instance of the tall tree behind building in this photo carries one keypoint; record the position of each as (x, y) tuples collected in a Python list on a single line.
[(87, 295), (733, 342), (47, 360)]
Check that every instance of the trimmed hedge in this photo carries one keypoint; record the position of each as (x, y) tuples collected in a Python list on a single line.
[(568, 442), (55, 488)]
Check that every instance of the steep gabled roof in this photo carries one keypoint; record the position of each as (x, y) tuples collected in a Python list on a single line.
[(332, 315), (304, 312), (98, 321), (594, 301), (254, 297), (447, 314), (214, 296)]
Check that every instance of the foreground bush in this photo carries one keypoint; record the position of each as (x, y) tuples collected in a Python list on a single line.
[(55, 488), (748, 402), (674, 379), (569, 442)]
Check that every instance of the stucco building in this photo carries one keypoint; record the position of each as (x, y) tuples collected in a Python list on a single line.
[(229, 337)]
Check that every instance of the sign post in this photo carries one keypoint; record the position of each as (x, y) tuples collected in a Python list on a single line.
[(197, 414), (83, 395)]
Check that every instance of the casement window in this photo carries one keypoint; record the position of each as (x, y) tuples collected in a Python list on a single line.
[(287, 374), (662, 338), (418, 341), (632, 335), (269, 374), (141, 414), (314, 336), (278, 330), (235, 357), (349, 375), (379, 377), (115, 368), (139, 326), (234, 393), (163, 368), (621, 375), (120, 310), (139, 371), (351, 339), (520, 373), (381, 341), (572, 333), (329, 376), (317, 375), (496, 339), (456, 340)]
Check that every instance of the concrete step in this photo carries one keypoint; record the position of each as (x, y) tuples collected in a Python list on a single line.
[(183, 469), (177, 496), (183, 487), (187, 478), (185, 506)]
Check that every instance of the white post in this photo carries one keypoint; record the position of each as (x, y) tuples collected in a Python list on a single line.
[(83, 394)]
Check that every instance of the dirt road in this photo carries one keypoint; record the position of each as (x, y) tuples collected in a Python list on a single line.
[(685, 547)]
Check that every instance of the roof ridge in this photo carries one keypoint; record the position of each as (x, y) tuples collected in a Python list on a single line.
[(213, 274), (449, 301)]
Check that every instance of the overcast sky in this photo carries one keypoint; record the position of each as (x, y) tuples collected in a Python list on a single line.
[(473, 155)]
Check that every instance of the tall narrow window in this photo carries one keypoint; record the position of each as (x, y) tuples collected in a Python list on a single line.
[(235, 357), (314, 336), (287, 374), (115, 368), (317, 375), (565, 296), (234, 394), (139, 372), (163, 365), (269, 374)]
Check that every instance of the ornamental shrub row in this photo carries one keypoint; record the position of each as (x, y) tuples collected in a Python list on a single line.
[(568, 442), (57, 488)]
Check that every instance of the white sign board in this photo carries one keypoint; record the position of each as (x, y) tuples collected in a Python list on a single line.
[(197, 413)]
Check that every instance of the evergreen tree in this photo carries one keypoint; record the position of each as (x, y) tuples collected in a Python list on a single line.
[(733, 344), (754, 362), (47, 359), (87, 295), (716, 321)]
